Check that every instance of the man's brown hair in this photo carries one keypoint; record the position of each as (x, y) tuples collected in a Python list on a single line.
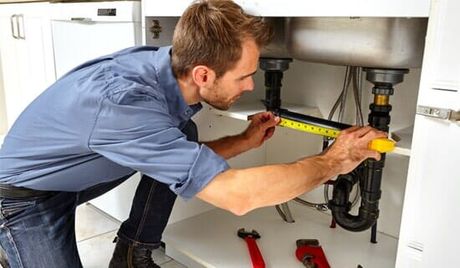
[(211, 33)]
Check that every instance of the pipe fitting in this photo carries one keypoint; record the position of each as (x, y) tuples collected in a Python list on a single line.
[(274, 68)]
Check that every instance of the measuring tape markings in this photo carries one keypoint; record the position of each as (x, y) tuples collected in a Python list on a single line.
[(323, 131), (382, 145)]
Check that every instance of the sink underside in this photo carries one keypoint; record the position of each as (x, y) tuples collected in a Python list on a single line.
[(367, 42)]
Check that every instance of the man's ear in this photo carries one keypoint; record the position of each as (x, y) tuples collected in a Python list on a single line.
[(203, 76)]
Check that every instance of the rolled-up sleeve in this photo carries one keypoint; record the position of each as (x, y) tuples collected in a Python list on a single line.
[(206, 166), (141, 135)]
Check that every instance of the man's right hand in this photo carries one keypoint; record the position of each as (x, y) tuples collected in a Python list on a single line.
[(352, 147)]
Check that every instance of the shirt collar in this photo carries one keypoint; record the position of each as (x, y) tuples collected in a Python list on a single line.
[(176, 103)]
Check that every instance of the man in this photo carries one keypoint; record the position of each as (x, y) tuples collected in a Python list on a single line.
[(130, 111)]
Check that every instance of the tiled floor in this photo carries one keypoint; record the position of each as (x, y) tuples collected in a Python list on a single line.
[(95, 232)]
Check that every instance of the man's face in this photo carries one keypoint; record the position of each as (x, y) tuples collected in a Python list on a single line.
[(229, 88)]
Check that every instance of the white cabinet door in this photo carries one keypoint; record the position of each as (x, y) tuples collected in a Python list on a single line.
[(428, 237), (26, 55), (8, 61), (440, 85), (37, 71)]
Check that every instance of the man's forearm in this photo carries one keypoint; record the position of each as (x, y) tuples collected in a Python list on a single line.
[(229, 146), (260, 129), (242, 190)]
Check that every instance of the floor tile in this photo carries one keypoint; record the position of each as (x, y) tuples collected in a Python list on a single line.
[(96, 252), (160, 257), (91, 222)]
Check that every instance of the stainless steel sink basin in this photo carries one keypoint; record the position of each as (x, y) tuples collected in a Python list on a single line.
[(367, 42)]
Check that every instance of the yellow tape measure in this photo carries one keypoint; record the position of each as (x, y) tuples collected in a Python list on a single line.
[(381, 145), (323, 131)]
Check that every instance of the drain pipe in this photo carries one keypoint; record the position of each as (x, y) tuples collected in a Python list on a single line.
[(274, 68), (369, 173)]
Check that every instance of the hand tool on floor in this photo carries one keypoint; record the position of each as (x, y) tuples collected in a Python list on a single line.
[(311, 254), (254, 252)]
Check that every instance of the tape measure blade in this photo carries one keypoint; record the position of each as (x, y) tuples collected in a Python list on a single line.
[(382, 145), (328, 132)]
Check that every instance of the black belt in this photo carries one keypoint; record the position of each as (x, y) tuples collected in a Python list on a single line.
[(10, 191)]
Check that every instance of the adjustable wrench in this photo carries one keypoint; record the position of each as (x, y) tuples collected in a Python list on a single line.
[(311, 254), (254, 252)]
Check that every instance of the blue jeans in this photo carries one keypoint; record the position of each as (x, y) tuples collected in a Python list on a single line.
[(40, 231)]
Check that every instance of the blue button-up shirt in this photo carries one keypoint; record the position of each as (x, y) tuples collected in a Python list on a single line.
[(104, 120)]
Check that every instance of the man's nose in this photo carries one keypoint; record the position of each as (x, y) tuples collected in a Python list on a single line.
[(249, 86)]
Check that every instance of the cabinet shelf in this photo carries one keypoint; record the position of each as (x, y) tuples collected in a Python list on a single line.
[(241, 111), (404, 144), (210, 240)]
